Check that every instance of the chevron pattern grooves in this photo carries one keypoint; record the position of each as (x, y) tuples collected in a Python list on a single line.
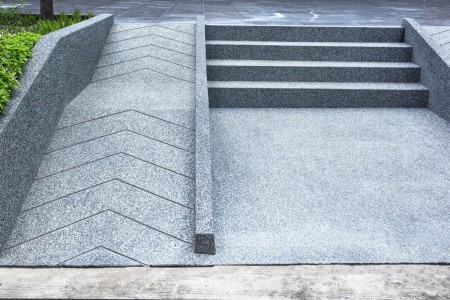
[(116, 186), (108, 229)]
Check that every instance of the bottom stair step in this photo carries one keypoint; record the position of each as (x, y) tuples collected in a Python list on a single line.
[(315, 94)]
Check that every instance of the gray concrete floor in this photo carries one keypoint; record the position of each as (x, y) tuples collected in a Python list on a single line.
[(330, 186), (426, 12)]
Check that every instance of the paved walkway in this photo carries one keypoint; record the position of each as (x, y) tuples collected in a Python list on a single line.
[(117, 183), (431, 12)]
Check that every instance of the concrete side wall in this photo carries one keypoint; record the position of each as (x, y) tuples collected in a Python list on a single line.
[(435, 74), (204, 230), (62, 65)]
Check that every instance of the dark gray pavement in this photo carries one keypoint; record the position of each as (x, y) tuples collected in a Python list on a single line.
[(426, 12)]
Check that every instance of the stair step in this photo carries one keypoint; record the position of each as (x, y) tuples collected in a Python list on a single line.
[(315, 94), (305, 33), (311, 71), (308, 51)]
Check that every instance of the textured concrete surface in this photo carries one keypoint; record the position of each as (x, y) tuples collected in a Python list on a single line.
[(430, 12), (330, 186), (62, 65), (311, 71), (116, 185), (230, 282), (316, 94), (309, 51), (431, 52), (204, 225)]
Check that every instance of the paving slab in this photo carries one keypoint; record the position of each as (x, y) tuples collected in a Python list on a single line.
[(432, 12)]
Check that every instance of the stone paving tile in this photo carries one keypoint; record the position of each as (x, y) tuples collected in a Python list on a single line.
[(136, 172), (152, 30), (149, 209), (150, 63), (144, 41), (129, 120), (108, 229), (139, 146), (174, 104), (148, 51)]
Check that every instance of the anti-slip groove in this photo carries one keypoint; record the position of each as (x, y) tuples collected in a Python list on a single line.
[(149, 35), (113, 133), (146, 45), (135, 71), (121, 112), (133, 59)]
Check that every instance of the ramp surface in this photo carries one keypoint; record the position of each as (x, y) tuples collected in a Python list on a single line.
[(116, 186)]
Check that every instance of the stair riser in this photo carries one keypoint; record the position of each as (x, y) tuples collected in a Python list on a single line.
[(304, 34), (315, 98), (312, 74), (309, 53)]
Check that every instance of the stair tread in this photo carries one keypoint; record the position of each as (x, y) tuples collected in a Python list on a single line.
[(221, 24), (317, 85), (287, 63), (307, 44)]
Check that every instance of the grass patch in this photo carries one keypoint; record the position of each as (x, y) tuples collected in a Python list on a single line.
[(18, 35)]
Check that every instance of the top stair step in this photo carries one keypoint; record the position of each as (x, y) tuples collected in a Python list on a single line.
[(374, 34)]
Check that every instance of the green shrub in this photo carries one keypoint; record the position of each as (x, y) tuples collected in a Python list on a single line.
[(15, 50), (18, 35)]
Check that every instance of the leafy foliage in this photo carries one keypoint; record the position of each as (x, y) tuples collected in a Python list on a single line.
[(18, 35), (15, 50)]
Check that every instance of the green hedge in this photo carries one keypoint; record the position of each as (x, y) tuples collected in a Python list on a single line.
[(15, 50)]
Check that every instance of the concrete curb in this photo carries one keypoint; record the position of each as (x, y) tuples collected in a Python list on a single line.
[(62, 65), (435, 71), (204, 230)]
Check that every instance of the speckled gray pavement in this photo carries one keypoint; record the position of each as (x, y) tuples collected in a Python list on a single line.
[(290, 186), (330, 185), (116, 186)]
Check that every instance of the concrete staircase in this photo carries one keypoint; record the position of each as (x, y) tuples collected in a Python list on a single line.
[(311, 66)]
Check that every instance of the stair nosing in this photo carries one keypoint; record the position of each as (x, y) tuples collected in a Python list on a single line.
[(308, 64), (309, 44), (317, 85)]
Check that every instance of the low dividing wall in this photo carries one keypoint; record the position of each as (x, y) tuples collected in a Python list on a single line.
[(62, 65), (204, 230), (435, 71)]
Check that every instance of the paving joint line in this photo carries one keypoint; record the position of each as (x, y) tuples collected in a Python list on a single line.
[(112, 133), (125, 61), (124, 74), (143, 160), (152, 193), (86, 141), (105, 116), (159, 25), (159, 18), (52, 231), (129, 130), (147, 46), (121, 112), (71, 168), (68, 195), (148, 226), (99, 247), (148, 35), (440, 32), (119, 31)]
